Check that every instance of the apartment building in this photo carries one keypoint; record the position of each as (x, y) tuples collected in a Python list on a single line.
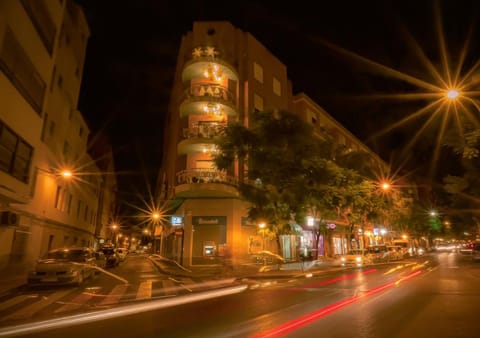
[(223, 75), (49, 184)]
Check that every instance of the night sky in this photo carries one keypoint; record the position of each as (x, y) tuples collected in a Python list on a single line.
[(133, 47)]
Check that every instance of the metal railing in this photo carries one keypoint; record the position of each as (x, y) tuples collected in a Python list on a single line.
[(199, 175), (205, 130), (210, 91)]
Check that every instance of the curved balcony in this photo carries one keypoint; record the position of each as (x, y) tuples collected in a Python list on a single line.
[(200, 137), (212, 99), (195, 68), (207, 129), (205, 183), (196, 146)]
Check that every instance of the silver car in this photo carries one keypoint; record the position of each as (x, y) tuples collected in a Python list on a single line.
[(64, 266)]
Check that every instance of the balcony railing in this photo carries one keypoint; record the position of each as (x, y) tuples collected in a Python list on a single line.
[(205, 130), (210, 92), (191, 176)]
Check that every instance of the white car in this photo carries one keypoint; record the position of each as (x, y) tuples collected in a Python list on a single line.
[(64, 266), (356, 258)]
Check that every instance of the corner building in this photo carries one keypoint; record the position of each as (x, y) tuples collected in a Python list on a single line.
[(222, 75)]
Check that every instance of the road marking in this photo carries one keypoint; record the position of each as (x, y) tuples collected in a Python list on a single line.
[(169, 287), (30, 310), (15, 300), (114, 295), (144, 290), (76, 302)]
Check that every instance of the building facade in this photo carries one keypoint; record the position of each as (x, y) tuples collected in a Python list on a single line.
[(223, 75), (42, 134)]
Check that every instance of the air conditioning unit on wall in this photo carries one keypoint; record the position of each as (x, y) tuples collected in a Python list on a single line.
[(9, 218)]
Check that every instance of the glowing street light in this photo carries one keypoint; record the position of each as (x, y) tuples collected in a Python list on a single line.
[(452, 94), (262, 226), (156, 216), (433, 213), (67, 174), (385, 186)]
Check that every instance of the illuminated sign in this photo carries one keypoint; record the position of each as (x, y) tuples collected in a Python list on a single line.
[(209, 220), (176, 220)]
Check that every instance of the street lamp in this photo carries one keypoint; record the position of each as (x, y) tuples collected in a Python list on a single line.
[(155, 219), (452, 94), (66, 173), (114, 227), (386, 186), (262, 226)]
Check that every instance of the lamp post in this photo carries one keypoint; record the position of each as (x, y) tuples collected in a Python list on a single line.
[(114, 229), (262, 226), (155, 219)]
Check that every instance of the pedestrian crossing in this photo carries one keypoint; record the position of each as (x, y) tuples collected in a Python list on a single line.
[(35, 303)]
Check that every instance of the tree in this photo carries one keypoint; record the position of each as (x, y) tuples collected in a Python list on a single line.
[(277, 149), (464, 187), (291, 172)]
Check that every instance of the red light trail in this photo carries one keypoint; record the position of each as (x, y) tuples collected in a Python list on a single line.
[(325, 311)]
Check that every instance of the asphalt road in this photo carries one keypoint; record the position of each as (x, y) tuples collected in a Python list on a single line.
[(433, 296)]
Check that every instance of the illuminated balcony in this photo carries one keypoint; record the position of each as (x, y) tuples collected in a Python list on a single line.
[(196, 146), (200, 138), (207, 129), (204, 58), (205, 183), (208, 98)]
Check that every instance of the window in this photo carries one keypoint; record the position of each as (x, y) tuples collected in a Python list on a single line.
[(42, 21), (314, 120), (16, 65), (50, 242), (66, 149), (69, 205), (257, 102), (51, 129), (277, 87), (79, 208), (57, 197), (85, 215), (44, 127), (258, 72), (15, 154), (80, 132)]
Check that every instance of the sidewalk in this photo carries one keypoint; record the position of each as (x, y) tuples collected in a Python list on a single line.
[(245, 270), (12, 277)]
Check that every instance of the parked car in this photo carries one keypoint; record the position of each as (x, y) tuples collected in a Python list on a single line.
[(72, 265), (378, 253), (112, 259), (356, 257), (395, 252)]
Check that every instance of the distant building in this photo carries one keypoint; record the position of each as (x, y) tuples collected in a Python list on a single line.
[(42, 54), (223, 75)]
